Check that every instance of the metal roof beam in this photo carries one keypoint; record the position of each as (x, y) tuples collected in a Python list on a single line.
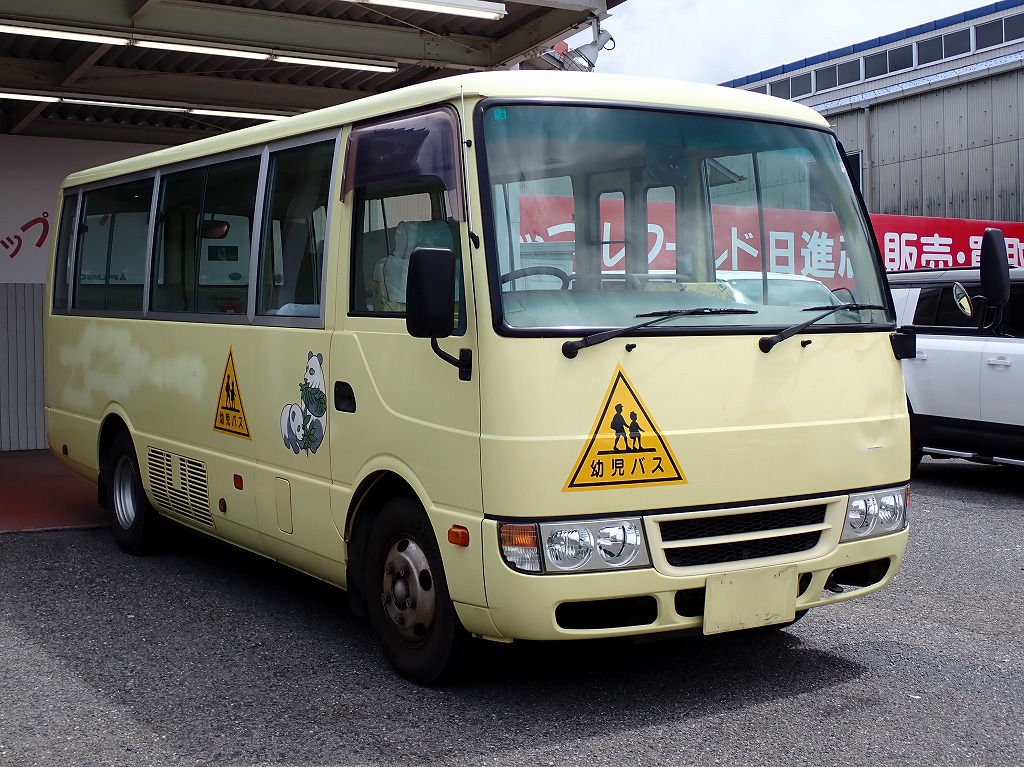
[(538, 36), (597, 7), (250, 28), (199, 90)]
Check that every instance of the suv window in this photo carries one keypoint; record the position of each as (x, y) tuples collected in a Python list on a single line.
[(936, 306)]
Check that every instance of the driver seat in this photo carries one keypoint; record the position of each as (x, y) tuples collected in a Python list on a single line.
[(391, 273)]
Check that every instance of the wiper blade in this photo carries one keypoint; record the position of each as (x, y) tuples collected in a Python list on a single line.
[(767, 343), (571, 348)]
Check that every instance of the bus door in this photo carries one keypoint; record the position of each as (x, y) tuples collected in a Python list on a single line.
[(398, 407), (292, 365)]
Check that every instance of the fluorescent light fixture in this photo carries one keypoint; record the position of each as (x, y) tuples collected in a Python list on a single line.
[(120, 104), (29, 97), (64, 34), (480, 9), (100, 102), (209, 50), (227, 113), (367, 66)]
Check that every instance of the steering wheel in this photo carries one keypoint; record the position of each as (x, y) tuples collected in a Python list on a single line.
[(526, 271)]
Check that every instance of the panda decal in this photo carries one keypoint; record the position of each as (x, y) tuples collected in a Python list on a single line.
[(304, 423)]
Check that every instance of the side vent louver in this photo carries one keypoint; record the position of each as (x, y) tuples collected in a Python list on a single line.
[(180, 485)]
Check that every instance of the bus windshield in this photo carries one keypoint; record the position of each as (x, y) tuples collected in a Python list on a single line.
[(602, 214)]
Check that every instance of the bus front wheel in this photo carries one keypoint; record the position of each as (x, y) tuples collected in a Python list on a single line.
[(133, 520), (409, 606)]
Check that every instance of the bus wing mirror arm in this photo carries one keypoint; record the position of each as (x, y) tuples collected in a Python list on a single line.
[(430, 302)]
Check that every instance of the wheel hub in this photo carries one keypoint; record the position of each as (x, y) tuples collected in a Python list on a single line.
[(407, 593)]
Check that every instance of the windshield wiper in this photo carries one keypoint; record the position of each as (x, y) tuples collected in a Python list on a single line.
[(767, 343), (571, 348)]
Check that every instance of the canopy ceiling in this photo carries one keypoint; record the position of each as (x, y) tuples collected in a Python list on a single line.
[(118, 89)]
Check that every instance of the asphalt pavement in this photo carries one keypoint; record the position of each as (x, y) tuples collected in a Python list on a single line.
[(205, 655)]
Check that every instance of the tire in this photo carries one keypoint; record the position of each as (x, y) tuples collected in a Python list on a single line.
[(413, 618), (133, 520)]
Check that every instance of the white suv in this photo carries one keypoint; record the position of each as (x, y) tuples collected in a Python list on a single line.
[(965, 388)]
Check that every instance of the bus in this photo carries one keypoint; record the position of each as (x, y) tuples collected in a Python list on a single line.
[(460, 350)]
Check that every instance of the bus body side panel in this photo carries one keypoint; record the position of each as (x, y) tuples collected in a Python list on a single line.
[(293, 461), (175, 383), (415, 419)]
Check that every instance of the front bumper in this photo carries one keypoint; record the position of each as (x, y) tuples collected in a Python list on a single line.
[(645, 601)]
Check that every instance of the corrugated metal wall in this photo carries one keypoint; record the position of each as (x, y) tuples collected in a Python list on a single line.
[(952, 152), (21, 368)]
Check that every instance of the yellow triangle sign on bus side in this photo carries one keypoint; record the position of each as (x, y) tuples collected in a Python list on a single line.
[(625, 448), (230, 417)]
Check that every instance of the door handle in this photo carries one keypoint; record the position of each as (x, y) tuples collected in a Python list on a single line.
[(344, 397), (998, 362)]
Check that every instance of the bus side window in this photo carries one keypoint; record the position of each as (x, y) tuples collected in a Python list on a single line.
[(111, 263), (65, 238), (406, 174), (203, 243), (294, 224)]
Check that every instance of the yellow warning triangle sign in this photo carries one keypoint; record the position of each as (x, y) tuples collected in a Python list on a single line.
[(625, 448), (230, 417)]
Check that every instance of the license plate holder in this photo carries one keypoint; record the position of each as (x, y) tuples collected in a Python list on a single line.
[(750, 598)]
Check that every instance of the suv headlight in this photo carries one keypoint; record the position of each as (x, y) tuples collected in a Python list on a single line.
[(876, 513), (574, 546)]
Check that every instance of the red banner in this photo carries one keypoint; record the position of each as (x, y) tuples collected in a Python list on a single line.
[(799, 242)]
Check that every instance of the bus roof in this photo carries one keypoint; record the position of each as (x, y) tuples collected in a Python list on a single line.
[(587, 86)]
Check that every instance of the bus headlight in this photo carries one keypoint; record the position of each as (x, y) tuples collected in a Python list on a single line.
[(569, 548), (876, 513), (618, 544), (574, 546)]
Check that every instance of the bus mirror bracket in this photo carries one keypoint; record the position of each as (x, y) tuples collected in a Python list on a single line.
[(430, 302)]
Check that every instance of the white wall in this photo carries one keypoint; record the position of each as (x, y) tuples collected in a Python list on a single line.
[(31, 170)]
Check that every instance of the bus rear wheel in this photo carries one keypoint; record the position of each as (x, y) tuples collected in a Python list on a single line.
[(409, 607), (133, 520)]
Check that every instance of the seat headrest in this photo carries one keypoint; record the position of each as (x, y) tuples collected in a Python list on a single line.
[(410, 235)]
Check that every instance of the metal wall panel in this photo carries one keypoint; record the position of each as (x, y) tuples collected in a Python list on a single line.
[(847, 128), (932, 124), (933, 186), (954, 118), (1006, 182), (885, 137), (958, 190), (979, 113), (910, 129), (910, 188), (979, 164), (21, 368), (1005, 107), (888, 188)]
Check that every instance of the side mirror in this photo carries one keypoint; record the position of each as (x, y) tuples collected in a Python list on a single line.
[(430, 293), (962, 300), (214, 229), (995, 269), (430, 303)]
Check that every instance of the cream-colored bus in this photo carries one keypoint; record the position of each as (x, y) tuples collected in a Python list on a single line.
[(461, 350)]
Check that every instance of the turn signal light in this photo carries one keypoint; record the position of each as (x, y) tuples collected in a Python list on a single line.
[(458, 535)]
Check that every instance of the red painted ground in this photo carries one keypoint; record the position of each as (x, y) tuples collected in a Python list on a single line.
[(37, 493)]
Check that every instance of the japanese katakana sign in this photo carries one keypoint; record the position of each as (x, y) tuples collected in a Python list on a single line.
[(230, 417), (625, 448)]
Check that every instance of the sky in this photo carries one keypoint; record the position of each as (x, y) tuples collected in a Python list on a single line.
[(715, 41)]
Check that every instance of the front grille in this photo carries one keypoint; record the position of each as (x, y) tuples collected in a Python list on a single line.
[(740, 551), (758, 534), (733, 524), (180, 484)]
